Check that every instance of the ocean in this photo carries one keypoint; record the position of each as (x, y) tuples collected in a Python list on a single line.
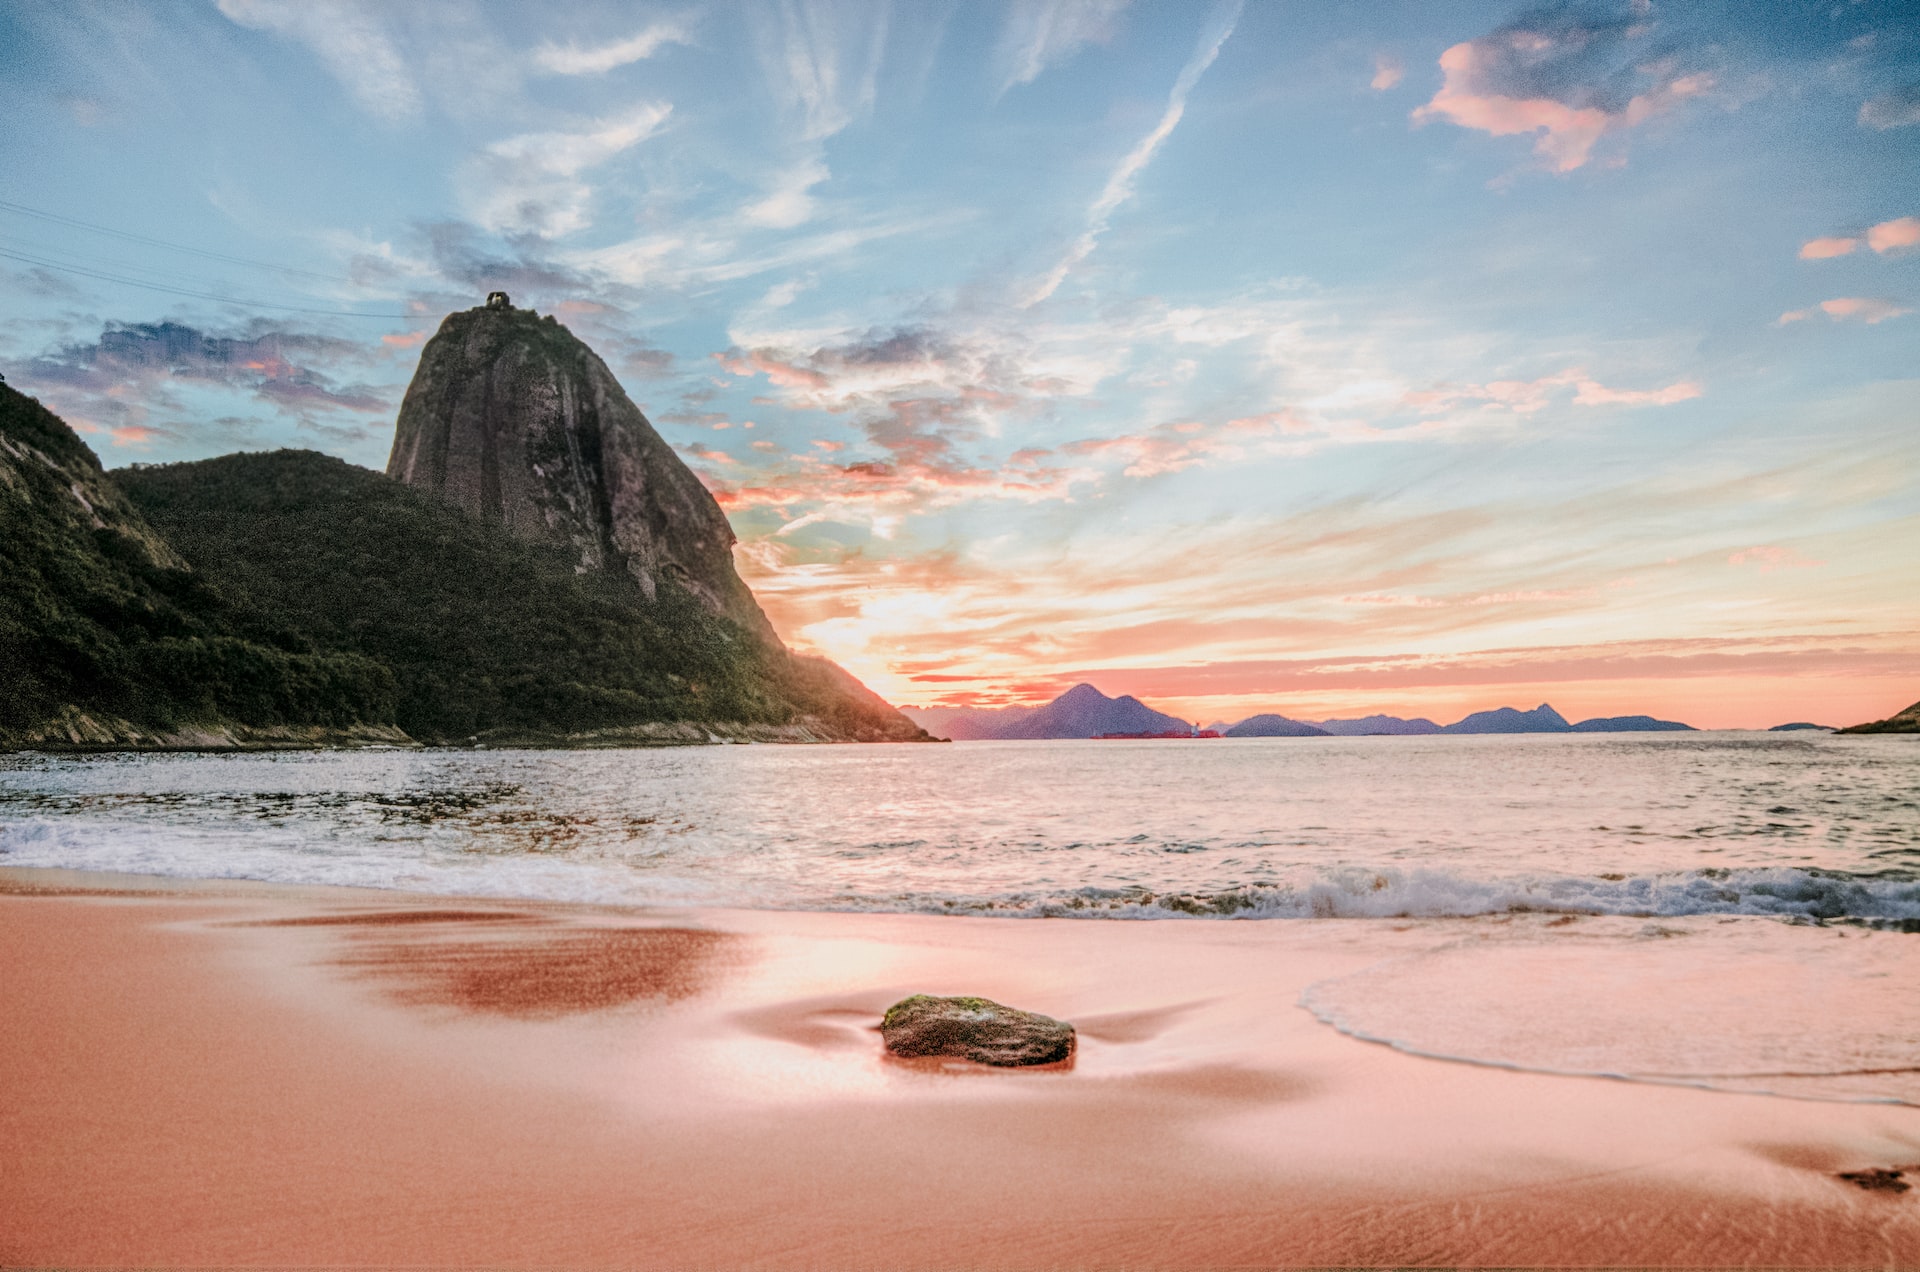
[(1727, 910), (1798, 825)]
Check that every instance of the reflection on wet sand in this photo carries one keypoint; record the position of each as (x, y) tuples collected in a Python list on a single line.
[(540, 966)]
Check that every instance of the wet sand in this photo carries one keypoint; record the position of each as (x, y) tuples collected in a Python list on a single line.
[(232, 1074)]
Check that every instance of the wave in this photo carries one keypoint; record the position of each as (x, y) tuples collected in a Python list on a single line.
[(1351, 893), (1890, 898)]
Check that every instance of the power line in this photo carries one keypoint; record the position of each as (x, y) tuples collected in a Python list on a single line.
[(124, 281), (22, 209)]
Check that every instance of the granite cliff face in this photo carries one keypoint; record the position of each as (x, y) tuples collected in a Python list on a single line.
[(513, 418)]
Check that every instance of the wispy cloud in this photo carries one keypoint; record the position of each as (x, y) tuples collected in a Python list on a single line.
[(1039, 34), (1895, 108), (572, 59), (532, 183), (1569, 75), (351, 41), (1119, 187), (1388, 71), (822, 60), (1524, 397)]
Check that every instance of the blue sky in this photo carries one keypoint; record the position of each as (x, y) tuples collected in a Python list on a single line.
[(1311, 358)]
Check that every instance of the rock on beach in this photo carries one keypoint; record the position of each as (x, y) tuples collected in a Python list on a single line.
[(977, 1029)]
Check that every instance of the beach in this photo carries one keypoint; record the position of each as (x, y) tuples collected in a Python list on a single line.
[(228, 1073)]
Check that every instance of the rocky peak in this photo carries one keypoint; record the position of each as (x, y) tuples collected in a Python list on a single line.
[(513, 418)]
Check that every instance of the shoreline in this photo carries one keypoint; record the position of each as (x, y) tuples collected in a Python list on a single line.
[(239, 1072)]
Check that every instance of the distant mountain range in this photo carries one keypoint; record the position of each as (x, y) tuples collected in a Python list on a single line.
[(1084, 712)]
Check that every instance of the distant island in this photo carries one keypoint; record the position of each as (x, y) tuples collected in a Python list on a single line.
[(1084, 712), (536, 567)]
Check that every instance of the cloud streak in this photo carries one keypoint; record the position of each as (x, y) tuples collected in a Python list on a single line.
[(1040, 34), (1119, 187), (350, 41), (532, 183), (571, 59)]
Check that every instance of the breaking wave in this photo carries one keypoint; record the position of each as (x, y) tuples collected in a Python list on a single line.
[(1888, 898)]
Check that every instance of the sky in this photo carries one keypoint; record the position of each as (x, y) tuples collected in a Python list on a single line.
[(1305, 357)]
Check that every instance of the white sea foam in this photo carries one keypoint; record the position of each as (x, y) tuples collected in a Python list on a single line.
[(1773, 1009), (1340, 892)]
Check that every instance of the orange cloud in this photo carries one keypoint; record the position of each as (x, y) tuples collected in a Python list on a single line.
[(403, 339), (131, 435)]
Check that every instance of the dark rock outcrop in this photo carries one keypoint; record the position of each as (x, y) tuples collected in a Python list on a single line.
[(514, 419), (1907, 721), (976, 1029)]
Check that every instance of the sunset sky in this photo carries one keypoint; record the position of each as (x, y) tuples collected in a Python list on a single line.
[(1310, 357)]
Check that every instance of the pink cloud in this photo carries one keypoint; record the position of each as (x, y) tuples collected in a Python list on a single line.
[(1888, 236), (1822, 249), (131, 435), (1593, 394), (1490, 84), (1892, 235), (1524, 397), (403, 339), (1867, 309), (1387, 72), (762, 362)]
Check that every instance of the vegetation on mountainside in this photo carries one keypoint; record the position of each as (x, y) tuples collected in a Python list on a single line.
[(485, 633), (98, 615)]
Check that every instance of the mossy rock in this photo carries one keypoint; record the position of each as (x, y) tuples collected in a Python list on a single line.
[(976, 1029)]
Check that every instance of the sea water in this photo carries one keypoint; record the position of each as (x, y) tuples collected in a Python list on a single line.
[(1731, 910), (1812, 826)]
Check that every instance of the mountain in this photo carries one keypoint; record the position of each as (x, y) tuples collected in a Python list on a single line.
[(1373, 725), (1081, 712), (512, 418), (108, 636), (1799, 725), (1907, 721), (293, 599), (967, 724), (1631, 724), (1085, 712), (1274, 726), (487, 635), (1542, 719)]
